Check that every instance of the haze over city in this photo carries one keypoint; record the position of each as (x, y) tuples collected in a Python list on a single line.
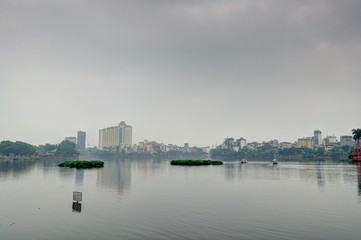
[(179, 71)]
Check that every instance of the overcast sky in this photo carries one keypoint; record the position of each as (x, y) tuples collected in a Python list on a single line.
[(179, 71)]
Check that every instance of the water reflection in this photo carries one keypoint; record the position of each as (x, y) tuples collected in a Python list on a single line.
[(15, 168), (319, 173), (320, 177), (66, 174), (358, 167), (76, 206), (230, 171), (115, 174), (79, 176)]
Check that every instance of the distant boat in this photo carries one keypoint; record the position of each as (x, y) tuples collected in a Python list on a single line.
[(244, 161), (274, 161)]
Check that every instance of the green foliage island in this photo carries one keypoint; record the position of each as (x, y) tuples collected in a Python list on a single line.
[(189, 162), (82, 164)]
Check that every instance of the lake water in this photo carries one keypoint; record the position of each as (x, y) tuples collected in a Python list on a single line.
[(149, 199)]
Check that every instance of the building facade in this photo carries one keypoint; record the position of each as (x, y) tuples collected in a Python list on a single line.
[(317, 138), (71, 139), (346, 141), (113, 138), (305, 142), (81, 140)]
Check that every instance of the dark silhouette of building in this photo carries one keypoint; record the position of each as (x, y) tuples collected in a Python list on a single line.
[(81, 140)]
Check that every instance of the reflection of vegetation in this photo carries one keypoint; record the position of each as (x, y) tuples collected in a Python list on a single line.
[(195, 162), (26, 158), (16, 148), (82, 164)]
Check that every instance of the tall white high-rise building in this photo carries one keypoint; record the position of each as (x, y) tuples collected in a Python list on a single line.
[(116, 136), (317, 138)]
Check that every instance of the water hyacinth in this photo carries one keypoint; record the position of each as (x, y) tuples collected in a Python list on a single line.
[(189, 162), (82, 164)]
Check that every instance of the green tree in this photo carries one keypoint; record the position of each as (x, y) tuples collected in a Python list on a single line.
[(67, 148), (356, 134), (320, 151), (50, 147), (16, 148)]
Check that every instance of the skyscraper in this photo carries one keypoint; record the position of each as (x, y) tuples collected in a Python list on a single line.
[(116, 136), (317, 136), (81, 140)]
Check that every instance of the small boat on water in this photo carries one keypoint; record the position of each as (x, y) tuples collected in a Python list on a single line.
[(274, 161), (244, 161)]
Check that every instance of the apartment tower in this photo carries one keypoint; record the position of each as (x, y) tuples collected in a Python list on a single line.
[(115, 137)]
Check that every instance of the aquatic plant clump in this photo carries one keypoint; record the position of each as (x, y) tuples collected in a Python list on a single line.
[(188, 162), (82, 164)]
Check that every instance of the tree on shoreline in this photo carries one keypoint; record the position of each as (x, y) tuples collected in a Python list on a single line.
[(17, 148), (66, 148), (356, 134)]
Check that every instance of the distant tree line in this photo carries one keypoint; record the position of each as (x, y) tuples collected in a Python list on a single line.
[(267, 152), (18, 148)]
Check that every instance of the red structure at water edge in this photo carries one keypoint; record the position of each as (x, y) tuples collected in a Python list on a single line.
[(356, 154)]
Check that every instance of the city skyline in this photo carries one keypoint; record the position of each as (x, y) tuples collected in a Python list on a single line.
[(179, 71), (317, 139)]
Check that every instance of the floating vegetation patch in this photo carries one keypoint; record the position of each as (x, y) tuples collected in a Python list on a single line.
[(189, 162), (82, 164)]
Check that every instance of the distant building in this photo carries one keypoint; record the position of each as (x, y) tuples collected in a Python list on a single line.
[(346, 141), (241, 142), (331, 140), (113, 138), (71, 139), (228, 143), (317, 138), (252, 145), (273, 143), (283, 145), (81, 140), (186, 147), (305, 142)]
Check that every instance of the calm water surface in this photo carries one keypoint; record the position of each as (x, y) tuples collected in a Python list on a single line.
[(149, 199)]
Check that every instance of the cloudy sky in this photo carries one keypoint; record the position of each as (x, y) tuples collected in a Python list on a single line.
[(179, 71)]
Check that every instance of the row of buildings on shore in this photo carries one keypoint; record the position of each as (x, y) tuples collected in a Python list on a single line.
[(119, 138), (316, 141)]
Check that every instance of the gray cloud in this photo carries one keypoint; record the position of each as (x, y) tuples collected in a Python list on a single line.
[(179, 71)]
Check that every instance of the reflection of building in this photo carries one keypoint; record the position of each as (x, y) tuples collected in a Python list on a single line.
[(71, 139), (116, 174), (79, 176), (305, 142), (115, 137), (81, 140)]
